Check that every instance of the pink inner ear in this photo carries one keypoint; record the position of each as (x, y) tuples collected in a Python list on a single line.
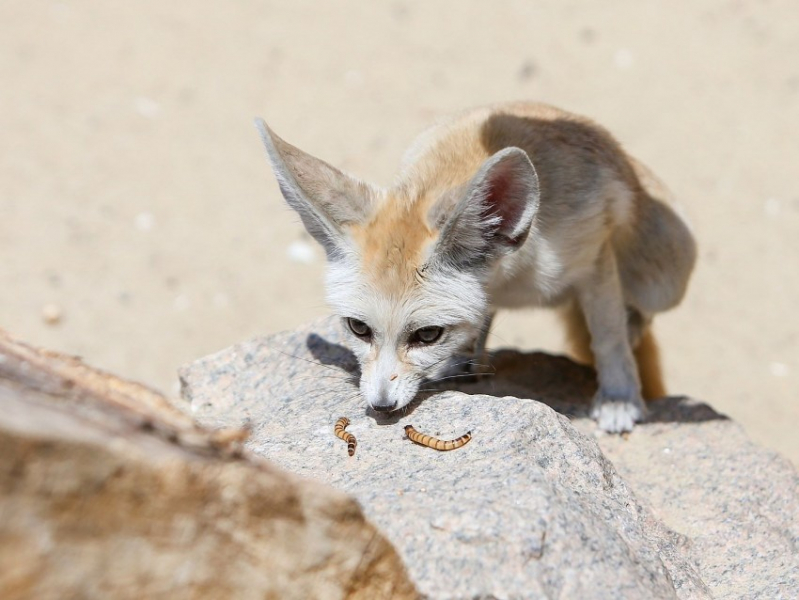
[(504, 199)]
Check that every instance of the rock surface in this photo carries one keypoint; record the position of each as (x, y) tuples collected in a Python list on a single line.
[(533, 506), (106, 491), (737, 502)]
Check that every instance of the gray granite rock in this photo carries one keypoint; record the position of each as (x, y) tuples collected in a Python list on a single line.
[(533, 506), (737, 502)]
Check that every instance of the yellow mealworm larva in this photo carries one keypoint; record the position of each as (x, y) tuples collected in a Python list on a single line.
[(347, 437), (435, 443)]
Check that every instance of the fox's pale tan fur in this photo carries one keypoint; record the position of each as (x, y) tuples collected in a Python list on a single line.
[(500, 207)]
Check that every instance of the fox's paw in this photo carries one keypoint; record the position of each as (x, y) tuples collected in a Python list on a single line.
[(616, 414)]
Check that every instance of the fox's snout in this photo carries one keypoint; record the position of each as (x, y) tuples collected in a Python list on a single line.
[(399, 360), (386, 389), (385, 405)]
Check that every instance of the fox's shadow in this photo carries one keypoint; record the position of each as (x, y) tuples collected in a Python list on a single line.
[(557, 381)]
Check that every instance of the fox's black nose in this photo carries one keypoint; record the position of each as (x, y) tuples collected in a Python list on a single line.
[(385, 405)]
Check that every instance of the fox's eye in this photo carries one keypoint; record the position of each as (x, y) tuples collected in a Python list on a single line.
[(359, 328), (427, 335)]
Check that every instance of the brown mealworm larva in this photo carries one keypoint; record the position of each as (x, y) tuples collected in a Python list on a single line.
[(435, 443), (347, 437)]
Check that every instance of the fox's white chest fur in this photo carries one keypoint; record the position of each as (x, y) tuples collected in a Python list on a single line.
[(501, 207)]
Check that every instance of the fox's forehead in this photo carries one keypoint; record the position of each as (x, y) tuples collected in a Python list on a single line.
[(436, 297), (394, 243)]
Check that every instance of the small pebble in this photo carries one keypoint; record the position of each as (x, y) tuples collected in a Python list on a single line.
[(52, 314), (527, 70), (301, 252)]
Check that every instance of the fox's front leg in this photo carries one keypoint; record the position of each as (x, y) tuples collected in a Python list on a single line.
[(479, 364), (617, 404), (473, 362)]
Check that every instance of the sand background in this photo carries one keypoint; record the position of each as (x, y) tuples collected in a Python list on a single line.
[(135, 197)]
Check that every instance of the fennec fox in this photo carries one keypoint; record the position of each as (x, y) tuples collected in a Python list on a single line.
[(500, 207)]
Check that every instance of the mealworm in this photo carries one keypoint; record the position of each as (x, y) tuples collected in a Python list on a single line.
[(347, 437), (435, 443)]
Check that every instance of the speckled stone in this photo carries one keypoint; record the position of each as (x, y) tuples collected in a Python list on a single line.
[(533, 506), (736, 501)]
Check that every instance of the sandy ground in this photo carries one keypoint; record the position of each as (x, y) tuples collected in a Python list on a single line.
[(141, 226)]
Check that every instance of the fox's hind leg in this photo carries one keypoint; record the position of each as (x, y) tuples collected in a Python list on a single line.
[(647, 354), (578, 338)]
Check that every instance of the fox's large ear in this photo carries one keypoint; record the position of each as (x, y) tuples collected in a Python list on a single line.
[(496, 213), (326, 199)]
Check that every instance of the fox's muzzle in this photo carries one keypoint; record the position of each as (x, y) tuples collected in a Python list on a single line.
[(387, 407)]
